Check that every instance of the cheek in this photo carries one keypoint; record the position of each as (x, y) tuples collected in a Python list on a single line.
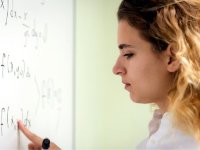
[(141, 72), (147, 81)]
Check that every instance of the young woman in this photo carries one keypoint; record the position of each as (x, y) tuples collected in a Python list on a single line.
[(159, 62)]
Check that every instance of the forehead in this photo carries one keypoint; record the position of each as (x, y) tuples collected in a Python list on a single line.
[(128, 34)]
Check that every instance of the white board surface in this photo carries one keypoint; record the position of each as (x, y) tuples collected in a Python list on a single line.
[(36, 71)]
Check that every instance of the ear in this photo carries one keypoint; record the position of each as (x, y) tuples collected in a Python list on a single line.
[(173, 63)]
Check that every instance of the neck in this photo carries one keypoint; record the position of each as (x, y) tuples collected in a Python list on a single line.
[(163, 105)]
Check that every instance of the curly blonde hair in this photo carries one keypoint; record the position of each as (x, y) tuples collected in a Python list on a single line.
[(175, 22)]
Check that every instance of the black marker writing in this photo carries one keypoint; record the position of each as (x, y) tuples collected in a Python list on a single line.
[(11, 12), (2, 4), (32, 34), (7, 11), (2, 64), (2, 114), (8, 67), (9, 121), (7, 117)]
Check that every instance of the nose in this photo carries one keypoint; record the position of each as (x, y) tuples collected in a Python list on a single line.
[(118, 68)]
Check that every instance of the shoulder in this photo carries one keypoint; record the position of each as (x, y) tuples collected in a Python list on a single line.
[(168, 137)]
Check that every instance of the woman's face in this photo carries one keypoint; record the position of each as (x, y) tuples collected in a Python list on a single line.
[(143, 71)]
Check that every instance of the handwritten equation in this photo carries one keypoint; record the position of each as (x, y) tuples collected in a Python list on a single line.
[(49, 95), (9, 121), (32, 34), (9, 11), (8, 67)]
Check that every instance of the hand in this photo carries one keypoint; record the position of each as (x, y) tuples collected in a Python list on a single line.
[(36, 140)]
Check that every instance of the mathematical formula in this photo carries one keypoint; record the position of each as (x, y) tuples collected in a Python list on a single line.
[(8, 67), (9, 121), (33, 35), (49, 95)]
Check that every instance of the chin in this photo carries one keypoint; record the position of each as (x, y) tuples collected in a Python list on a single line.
[(136, 101), (139, 100)]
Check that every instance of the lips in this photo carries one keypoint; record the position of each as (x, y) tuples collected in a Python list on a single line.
[(126, 84)]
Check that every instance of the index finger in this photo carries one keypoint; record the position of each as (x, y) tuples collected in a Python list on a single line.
[(31, 136)]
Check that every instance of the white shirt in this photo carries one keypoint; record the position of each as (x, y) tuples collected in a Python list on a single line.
[(163, 136)]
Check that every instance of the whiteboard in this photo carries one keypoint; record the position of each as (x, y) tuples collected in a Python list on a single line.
[(36, 71)]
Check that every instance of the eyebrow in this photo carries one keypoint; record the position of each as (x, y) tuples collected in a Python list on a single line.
[(122, 46)]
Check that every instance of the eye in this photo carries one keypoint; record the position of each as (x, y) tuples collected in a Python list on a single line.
[(128, 55)]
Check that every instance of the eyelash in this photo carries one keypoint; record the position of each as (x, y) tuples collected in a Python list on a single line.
[(128, 55)]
